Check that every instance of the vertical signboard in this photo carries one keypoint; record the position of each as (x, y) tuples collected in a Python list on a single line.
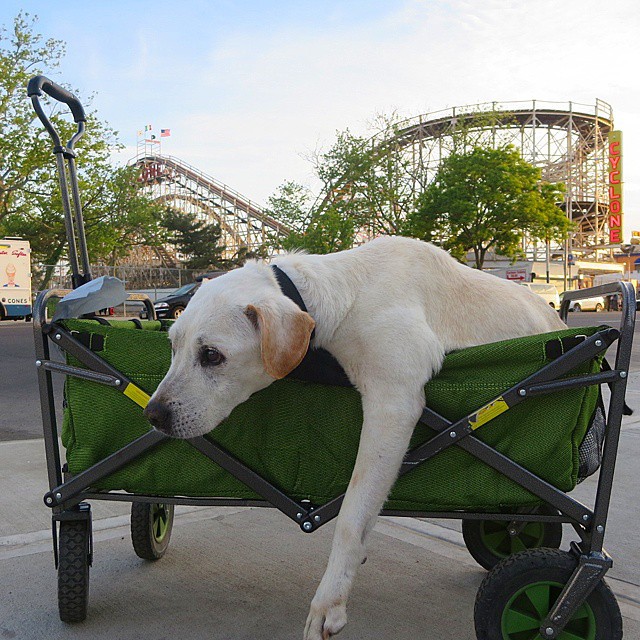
[(615, 187), (15, 278)]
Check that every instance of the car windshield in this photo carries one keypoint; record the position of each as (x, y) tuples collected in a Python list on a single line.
[(184, 289)]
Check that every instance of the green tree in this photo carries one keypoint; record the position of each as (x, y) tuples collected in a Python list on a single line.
[(30, 204), (121, 216), (551, 223), (198, 241), (368, 179), (369, 185), (310, 229), (484, 199)]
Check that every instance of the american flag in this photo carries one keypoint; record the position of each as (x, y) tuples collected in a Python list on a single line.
[(165, 133)]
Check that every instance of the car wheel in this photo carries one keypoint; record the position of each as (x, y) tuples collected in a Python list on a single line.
[(553, 306), (599, 308), (577, 307), (176, 312)]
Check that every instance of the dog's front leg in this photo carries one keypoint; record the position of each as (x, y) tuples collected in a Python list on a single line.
[(387, 428)]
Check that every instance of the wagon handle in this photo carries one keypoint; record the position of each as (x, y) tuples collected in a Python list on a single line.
[(37, 85)]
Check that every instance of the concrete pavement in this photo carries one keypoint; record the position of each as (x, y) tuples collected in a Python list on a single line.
[(250, 573)]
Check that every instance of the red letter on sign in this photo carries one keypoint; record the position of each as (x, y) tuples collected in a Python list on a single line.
[(611, 179), (615, 221), (614, 148), (614, 236)]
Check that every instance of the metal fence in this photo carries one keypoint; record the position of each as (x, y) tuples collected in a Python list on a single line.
[(134, 277)]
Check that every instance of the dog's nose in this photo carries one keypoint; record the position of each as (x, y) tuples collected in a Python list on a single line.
[(159, 415)]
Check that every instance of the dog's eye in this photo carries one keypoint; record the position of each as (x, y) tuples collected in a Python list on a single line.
[(210, 357)]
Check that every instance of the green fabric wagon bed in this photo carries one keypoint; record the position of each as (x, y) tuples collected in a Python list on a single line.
[(303, 437)]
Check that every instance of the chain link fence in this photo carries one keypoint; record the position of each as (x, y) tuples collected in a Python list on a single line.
[(135, 278)]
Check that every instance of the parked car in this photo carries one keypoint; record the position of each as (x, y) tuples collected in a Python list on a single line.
[(596, 303), (546, 291), (175, 303)]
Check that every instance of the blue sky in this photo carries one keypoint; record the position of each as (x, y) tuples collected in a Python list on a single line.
[(250, 89)]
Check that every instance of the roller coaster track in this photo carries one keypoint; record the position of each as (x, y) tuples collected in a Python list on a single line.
[(566, 141), (185, 188)]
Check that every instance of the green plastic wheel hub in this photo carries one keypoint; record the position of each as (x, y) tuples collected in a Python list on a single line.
[(525, 611), (496, 537), (160, 521)]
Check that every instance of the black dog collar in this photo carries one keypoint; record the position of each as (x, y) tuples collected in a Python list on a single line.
[(289, 289), (318, 365)]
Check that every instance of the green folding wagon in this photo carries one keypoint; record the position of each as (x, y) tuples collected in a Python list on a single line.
[(508, 431)]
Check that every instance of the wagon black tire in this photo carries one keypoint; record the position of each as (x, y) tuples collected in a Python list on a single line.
[(489, 541), (599, 308), (73, 570), (518, 594), (151, 526)]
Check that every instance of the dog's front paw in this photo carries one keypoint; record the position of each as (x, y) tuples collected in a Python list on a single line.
[(325, 620)]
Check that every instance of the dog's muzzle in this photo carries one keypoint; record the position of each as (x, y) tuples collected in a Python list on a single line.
[(159, 415)]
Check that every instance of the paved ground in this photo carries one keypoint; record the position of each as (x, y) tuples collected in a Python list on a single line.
[(250, 573), (20, 415)]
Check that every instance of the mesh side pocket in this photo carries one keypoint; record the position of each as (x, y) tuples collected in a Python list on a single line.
[(590, 450)]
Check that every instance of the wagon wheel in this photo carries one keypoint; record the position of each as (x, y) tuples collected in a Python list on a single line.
[(516, 597), (176, 312), (151, 526), (490, 541), (73, 569)]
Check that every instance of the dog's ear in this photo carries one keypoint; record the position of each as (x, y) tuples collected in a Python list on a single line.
[(285, 332)]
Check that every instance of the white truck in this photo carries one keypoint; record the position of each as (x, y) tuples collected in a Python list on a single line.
[(15, 279)]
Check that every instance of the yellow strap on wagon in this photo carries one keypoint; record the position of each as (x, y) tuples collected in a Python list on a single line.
[(488, 412), (137, 395)]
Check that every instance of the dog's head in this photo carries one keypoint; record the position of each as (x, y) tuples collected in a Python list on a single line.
[(238, 334)]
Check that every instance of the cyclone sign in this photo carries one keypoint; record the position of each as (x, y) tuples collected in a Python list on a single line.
[(615, 187)]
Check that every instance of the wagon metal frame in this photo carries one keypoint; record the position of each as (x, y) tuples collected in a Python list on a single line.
[(68, 494)]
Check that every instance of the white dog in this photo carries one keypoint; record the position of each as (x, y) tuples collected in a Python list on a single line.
[(388, 311)]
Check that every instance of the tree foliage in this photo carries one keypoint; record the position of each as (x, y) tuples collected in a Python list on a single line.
[(117, 216), (367, 180), (486, 199), (483, 196), (363, 191), (310, 230), (197, 240)]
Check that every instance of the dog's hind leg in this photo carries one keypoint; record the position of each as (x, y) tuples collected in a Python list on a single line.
[(392, 404)]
